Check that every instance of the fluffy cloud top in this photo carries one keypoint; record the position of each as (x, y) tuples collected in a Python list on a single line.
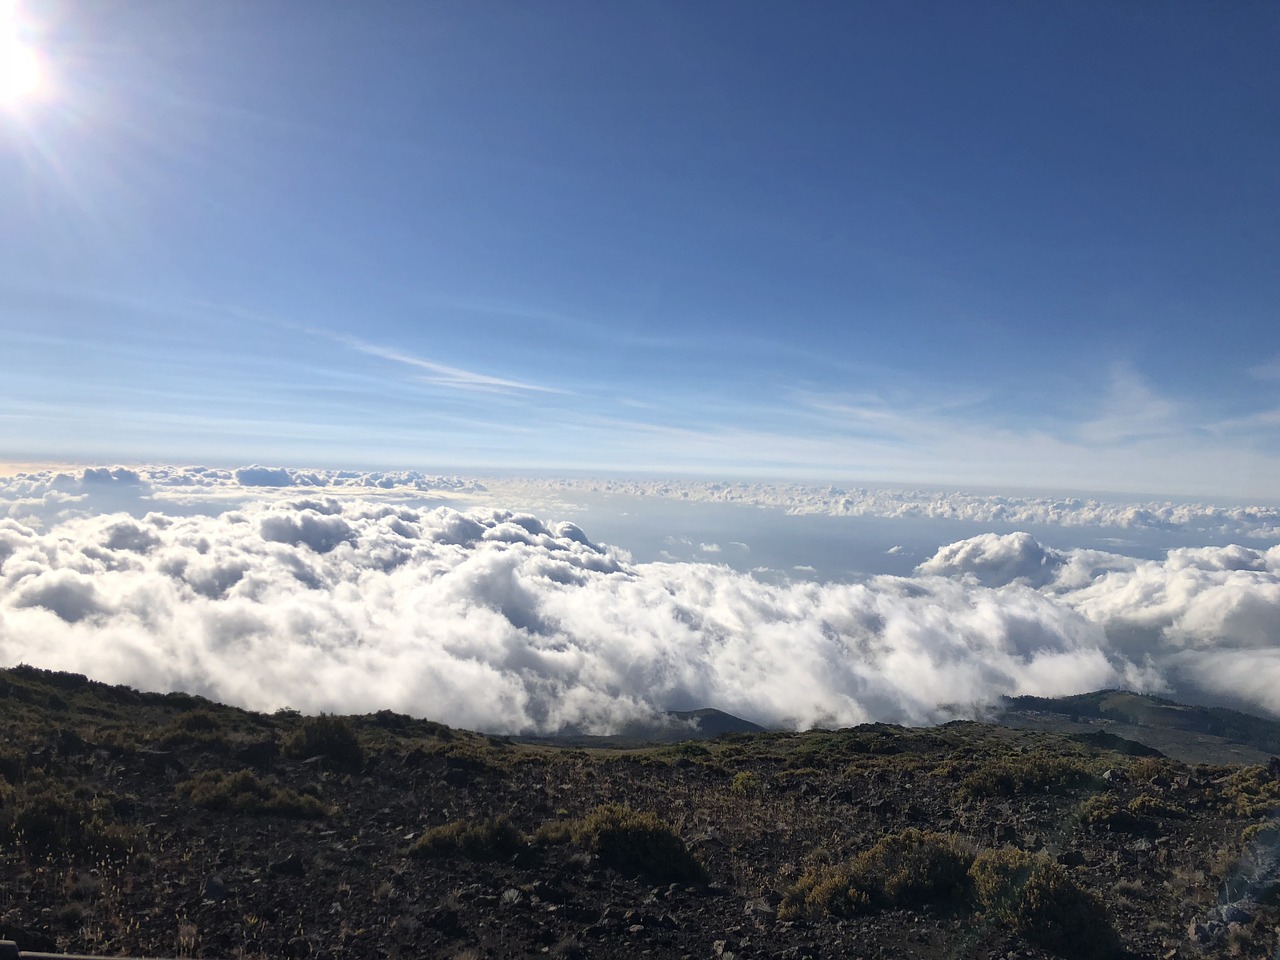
[(328, 590), (52, 495), (505, 622)]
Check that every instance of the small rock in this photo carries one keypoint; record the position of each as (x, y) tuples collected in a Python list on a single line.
[(1236, 913), (1071, 858), (215, 889), (760, 910), (1204, 933), (290, 866)]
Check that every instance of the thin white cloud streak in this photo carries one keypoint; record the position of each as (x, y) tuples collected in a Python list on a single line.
[(1131, 410), (446, 376), (1267, 370), (926, 448)]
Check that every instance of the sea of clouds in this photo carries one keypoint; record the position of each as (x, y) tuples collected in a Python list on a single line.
[(1255, 521), (333, 599)]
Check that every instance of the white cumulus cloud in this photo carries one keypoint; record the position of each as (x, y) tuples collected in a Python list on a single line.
[(503, 621), (351, 591)]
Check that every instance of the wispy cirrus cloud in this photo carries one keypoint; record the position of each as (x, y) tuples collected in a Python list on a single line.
[(1267, 370), (1131, 410), (444, 375)]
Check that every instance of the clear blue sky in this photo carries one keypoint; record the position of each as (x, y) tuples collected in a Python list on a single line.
[(971, 243)]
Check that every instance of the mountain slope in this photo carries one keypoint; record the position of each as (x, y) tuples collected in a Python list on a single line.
[(161, 825)]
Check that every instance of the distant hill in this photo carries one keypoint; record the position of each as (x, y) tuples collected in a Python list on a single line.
[(1192, 734), (675, 726), (709, 722)]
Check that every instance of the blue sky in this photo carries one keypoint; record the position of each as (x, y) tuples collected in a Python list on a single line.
[(985, 244)]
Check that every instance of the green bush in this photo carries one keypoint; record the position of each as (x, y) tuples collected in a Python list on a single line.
[(196, 727), (327, 736), (1104, 812), (46, 817), (1251, 792), (1025, 773), (493, 839), (999, 877), (242, 792), (632, 841), (1145, 805), (825, 890), (196, 721), (745, 783), (914, 867), (905, 869), (1037, 899)]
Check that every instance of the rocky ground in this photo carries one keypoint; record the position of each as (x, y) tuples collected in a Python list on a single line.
[(167, 826)]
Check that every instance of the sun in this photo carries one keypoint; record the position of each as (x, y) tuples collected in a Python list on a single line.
[(21, 74), (22, 69)]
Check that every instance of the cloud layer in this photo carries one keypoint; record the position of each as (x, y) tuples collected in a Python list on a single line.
[(42, 492), (1246, 520), (504, 622)]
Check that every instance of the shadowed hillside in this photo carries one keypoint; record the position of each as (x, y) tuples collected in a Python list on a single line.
[(1193, 734)]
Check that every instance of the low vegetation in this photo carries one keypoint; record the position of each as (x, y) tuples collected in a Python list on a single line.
[(1023, 774), (330, 737), (242, 792), (638, 841), (908, 868), (1038, 900), (489, 839)]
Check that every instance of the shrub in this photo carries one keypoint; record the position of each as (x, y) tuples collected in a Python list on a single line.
[(745, 783), (196, 727), (1252, 792), (555, 832), (196, 721), (1145, 805), (1104, 812), (1025, 773), (1147, 769), (493, 839), (914, 867), (637, 842), (327, 736), (242, 792), (46, 817), (1038, 900), (825, 890), (909, 868), (1263, 833), (999, 877)]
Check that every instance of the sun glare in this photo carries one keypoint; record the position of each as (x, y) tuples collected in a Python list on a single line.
[(22, 69)]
